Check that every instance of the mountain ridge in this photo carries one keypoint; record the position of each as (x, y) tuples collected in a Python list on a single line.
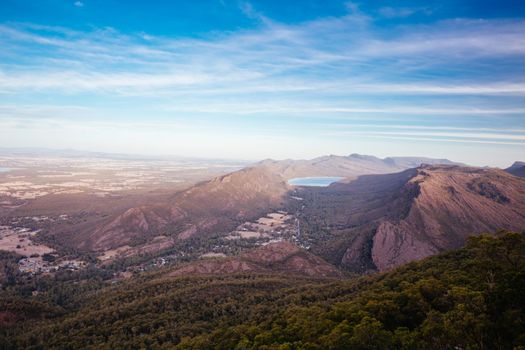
[(387, 220), (364, 223), (225, 201), (517, 169)]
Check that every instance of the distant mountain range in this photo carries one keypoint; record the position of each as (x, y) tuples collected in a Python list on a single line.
[(347, 166)]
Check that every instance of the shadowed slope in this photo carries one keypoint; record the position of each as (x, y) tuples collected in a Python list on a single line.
[(452, 204), (383, 221), (281, 257), (517, 169)]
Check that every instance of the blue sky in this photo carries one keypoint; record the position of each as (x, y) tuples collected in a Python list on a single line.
[(259, 79)]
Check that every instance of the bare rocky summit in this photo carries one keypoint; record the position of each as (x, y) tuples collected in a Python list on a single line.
[(453, 203)]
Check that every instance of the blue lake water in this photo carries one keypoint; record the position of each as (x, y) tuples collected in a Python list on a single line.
[(4, 170), (313, 181)]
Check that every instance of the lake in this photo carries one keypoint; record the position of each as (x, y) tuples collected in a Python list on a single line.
[(313, 181), (4, 170)]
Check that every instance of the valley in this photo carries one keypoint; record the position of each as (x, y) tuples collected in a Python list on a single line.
[(287, 224), (360, 213), (262, 175)]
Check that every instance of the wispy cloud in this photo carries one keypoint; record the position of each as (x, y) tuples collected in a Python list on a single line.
[(441, 134), (293, 108), (447, 140), (71, 81), (311, 54), (400, 12), (339, 68)]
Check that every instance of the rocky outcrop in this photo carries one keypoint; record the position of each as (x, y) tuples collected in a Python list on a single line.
[(394, 245), (453, 203), (382, 221)]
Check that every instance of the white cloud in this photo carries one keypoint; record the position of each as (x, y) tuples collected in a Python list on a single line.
[(400, 12), (460, 135), (73, 81), (341, 68), (315, 54), (294, 108), (482, 88)]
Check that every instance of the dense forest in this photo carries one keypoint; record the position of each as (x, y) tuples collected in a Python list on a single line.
[(471, 298)]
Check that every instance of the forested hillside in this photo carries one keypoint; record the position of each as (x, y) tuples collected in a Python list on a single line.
[(471, 298)]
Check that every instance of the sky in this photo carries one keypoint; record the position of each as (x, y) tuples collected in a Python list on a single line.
[(266, 79)]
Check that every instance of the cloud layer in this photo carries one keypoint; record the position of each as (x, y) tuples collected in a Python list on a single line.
[(450, 73)]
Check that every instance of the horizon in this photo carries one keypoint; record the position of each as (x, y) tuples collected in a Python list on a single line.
[(250, 80), (137, 156)]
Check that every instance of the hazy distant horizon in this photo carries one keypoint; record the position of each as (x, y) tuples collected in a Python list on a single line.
[(73, 152), (256, 79)]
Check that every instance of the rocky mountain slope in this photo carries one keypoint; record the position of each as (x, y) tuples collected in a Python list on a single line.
[(452, 204), (219, 205), (215, 206), (382, 221), (364, 223)]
